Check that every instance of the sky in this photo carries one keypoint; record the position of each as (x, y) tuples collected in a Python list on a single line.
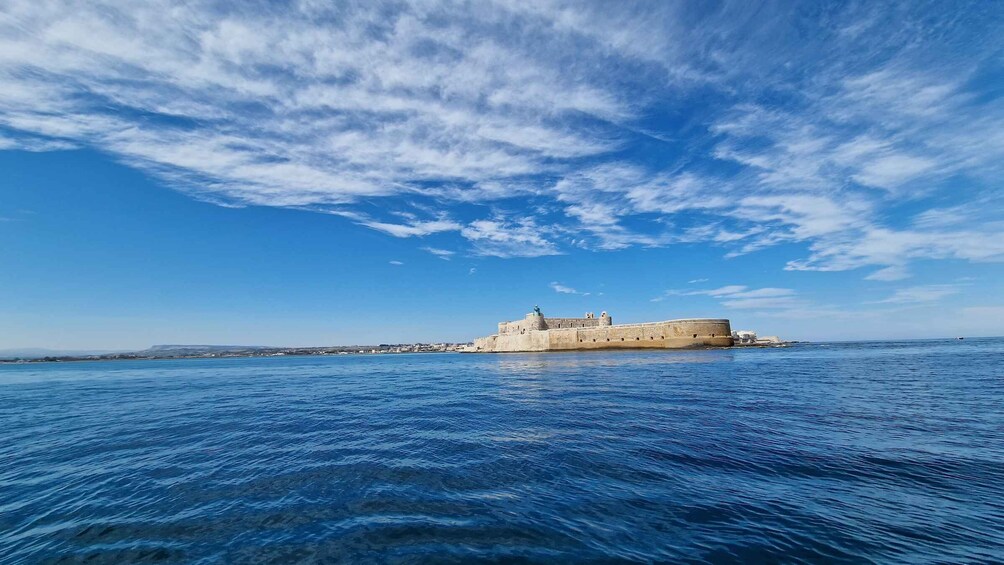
[(318, 173)]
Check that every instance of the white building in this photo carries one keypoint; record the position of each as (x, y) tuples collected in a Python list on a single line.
[(744, 336)]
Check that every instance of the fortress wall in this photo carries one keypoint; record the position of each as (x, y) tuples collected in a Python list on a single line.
[(657, 335), (530, 323), (673, 334), (530, 341), (511, 327), (533, 322), (561, 323), (484, 343)]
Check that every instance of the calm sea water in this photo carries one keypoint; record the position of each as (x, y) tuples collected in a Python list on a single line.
[(842, 452)]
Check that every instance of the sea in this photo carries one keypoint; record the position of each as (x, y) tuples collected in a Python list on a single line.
[(819, 452)]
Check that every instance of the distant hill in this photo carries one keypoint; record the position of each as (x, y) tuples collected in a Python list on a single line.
[(153, 351), (173, 350), (184, 351), (163, 348), (38, 353)]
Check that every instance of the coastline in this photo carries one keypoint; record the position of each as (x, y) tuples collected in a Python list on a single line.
[(239, 353)]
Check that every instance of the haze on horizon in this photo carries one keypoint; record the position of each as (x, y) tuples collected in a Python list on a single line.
[(298, 173)]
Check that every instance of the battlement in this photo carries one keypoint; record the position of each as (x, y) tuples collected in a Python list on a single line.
[(535, 321), (589, 321)]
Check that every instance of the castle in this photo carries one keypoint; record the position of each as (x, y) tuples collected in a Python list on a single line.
[(537, 333)]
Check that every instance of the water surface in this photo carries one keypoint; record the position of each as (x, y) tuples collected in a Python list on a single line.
[(890, 452)]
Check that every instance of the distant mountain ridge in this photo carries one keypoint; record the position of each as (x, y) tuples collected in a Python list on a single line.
[(177, 347), (182, 351), (154, 350), (40, 352)]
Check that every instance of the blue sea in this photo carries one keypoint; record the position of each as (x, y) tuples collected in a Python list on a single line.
[(841, 452)]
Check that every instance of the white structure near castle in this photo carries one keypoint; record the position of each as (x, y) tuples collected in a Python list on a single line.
[(747, 337)]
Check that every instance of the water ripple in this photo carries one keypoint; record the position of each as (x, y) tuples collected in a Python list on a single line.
[(868, 452)]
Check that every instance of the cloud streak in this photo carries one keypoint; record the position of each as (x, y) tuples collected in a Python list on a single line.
[(562, 289), (741, 297), (531, 129), (921, 294)]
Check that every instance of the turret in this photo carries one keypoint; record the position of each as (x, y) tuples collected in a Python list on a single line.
[(535, 320)]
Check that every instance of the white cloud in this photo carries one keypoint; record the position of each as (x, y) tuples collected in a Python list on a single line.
[(441, 253), (716, 292), (457, 111), (500, 238), (924, 293), (892, 170), (562, 289), (892, 273), (737, 296), (413, 229), (396, 263), (773, 302)]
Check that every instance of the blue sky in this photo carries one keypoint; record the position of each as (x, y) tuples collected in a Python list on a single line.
[(309, 173)]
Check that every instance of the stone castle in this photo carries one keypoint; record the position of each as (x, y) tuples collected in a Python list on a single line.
[(537, 333)]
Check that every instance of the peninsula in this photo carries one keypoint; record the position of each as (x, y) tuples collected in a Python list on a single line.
[(537, 333)]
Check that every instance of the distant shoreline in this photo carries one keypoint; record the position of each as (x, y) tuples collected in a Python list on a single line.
[(382, 349), (237, 353)]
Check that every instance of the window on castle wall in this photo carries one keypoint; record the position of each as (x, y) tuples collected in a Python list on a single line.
[(695, 335)]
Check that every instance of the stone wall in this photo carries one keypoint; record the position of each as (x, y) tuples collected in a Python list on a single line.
[(672, 334), (532, 322), (564, 323)]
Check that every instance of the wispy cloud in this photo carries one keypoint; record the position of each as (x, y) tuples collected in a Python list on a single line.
[(920, 294), (783, 302), (396, 263), (562, 289), (413, 229), (727, 290), (445, 254), (16, 216), (501, 238), (738, 296), (483, 122), (891, 273)]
